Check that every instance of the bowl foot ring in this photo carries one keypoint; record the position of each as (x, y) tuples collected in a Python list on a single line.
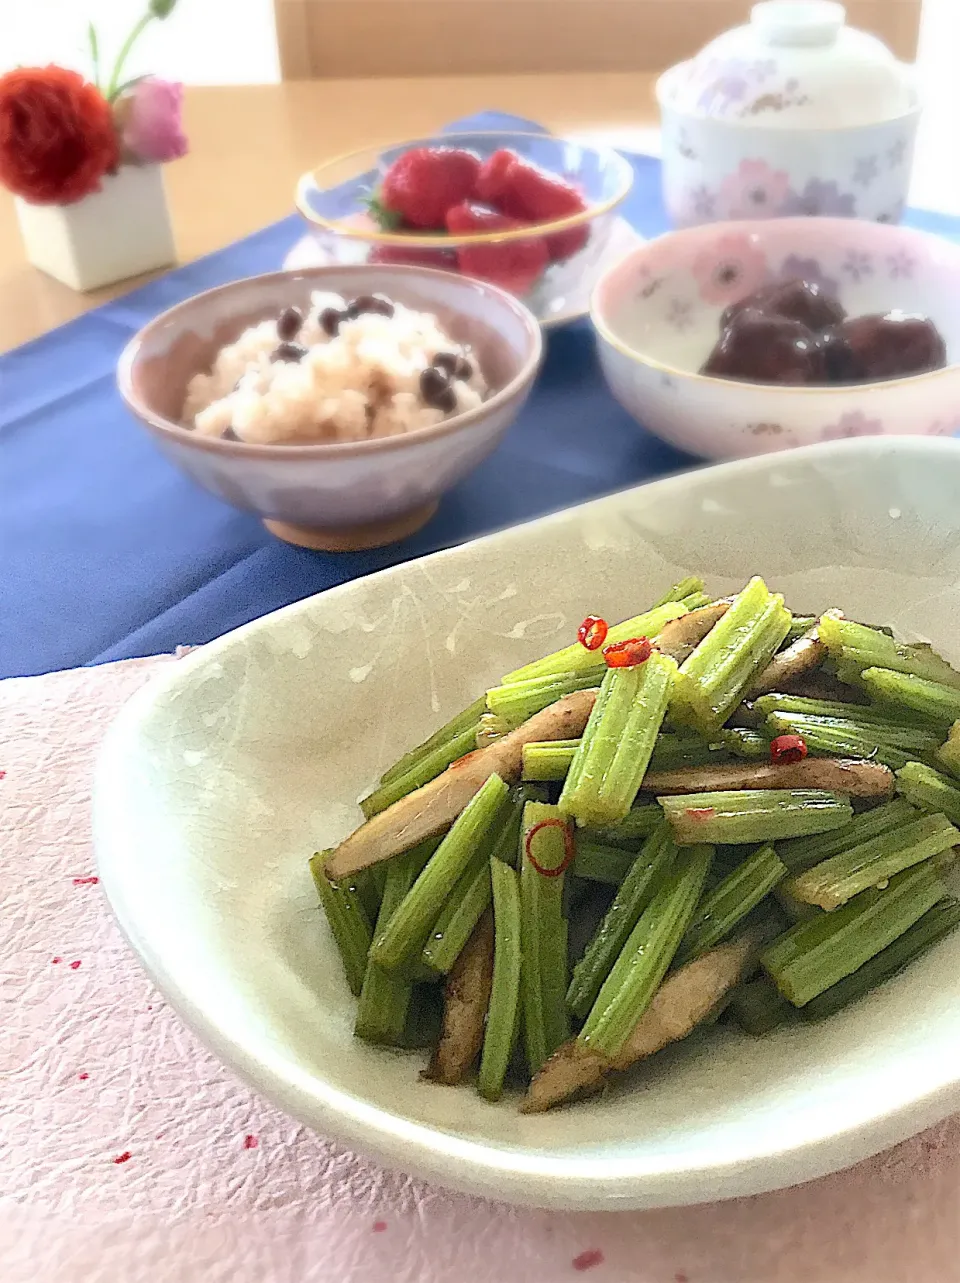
[(373, 534)]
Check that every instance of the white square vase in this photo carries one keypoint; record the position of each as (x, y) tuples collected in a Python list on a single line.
[(118, 232)]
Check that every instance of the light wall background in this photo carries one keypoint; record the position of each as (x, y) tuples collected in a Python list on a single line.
[(208, 42)]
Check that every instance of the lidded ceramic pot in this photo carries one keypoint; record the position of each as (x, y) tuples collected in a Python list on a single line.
[(794, 113)]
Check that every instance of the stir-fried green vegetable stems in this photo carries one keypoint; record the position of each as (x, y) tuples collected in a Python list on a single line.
[(753, 816)]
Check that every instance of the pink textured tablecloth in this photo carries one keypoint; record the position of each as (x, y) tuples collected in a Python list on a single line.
[(128, 1153)]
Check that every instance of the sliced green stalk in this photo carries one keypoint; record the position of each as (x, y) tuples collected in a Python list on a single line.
[(463, 721), (816, 954), (383, 1012), (936, 923), (425, 768), (744, 741), (614, 752), (369, 884), (597, 862), (795, 910), (634, 895), (630, 832), (462, 910), (865, 647), (544, 935), (675, 749), (874, 862), (491, 728), (804, 852), (464, 906), (694, 600), (712, 680), (348, 921), (934, 699), (799, 625), (406, 932), (948, 754), (851, 739), (759, 1007), (930, 790), (865, 734), (503, 1017), (725, 907), (629, 988), (754, 815), (549, 759), (788, 705), (692, 584), (507, 845), (516, 701), (577, 659)]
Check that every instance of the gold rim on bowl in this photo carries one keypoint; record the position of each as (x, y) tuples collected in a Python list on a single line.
[(434, 240)]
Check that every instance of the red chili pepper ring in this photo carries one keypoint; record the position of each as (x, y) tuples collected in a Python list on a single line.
[(569, 851), (787, 748), (627, 654), (592, 633)]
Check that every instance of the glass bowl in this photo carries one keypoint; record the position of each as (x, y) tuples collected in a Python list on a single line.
[(333, 198)]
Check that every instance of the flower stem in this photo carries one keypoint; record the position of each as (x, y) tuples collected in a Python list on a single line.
[(124, 54), (94, 52)]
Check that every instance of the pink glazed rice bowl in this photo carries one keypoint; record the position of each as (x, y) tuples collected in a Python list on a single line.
[(349, 490), (657, 317)]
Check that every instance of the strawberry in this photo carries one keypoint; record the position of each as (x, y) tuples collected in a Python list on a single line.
[(563, 245), (422, 184), (492, 179), (532, 193), (516, 265)]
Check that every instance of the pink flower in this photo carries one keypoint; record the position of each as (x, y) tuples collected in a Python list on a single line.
[(149, 119), (753, 190), (728, 269)]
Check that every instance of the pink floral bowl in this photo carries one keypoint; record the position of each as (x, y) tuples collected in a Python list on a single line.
[(657, 317), (350, 494)]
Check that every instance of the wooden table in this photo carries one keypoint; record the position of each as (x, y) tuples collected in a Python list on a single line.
[(249, 144)]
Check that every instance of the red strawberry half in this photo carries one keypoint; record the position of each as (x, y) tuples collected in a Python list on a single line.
[(532, 193), (492, 181), (422, 184), (516, 265)]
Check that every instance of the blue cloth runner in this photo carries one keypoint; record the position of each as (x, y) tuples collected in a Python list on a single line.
[(109, 552)]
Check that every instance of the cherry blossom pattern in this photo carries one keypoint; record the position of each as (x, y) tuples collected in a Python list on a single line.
[(901, 265), (795, 268), (857, 265), (678, 314), (865, 170), (896, 153), (819, 197), (702, 203), (753, 190), (729, 268), (852, 424)]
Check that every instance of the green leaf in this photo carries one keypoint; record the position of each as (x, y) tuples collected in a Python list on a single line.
[(388, 220)]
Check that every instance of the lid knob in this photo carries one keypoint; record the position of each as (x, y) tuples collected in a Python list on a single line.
[(798, 22)]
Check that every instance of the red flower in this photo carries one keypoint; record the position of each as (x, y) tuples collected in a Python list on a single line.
[(57, 137)]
